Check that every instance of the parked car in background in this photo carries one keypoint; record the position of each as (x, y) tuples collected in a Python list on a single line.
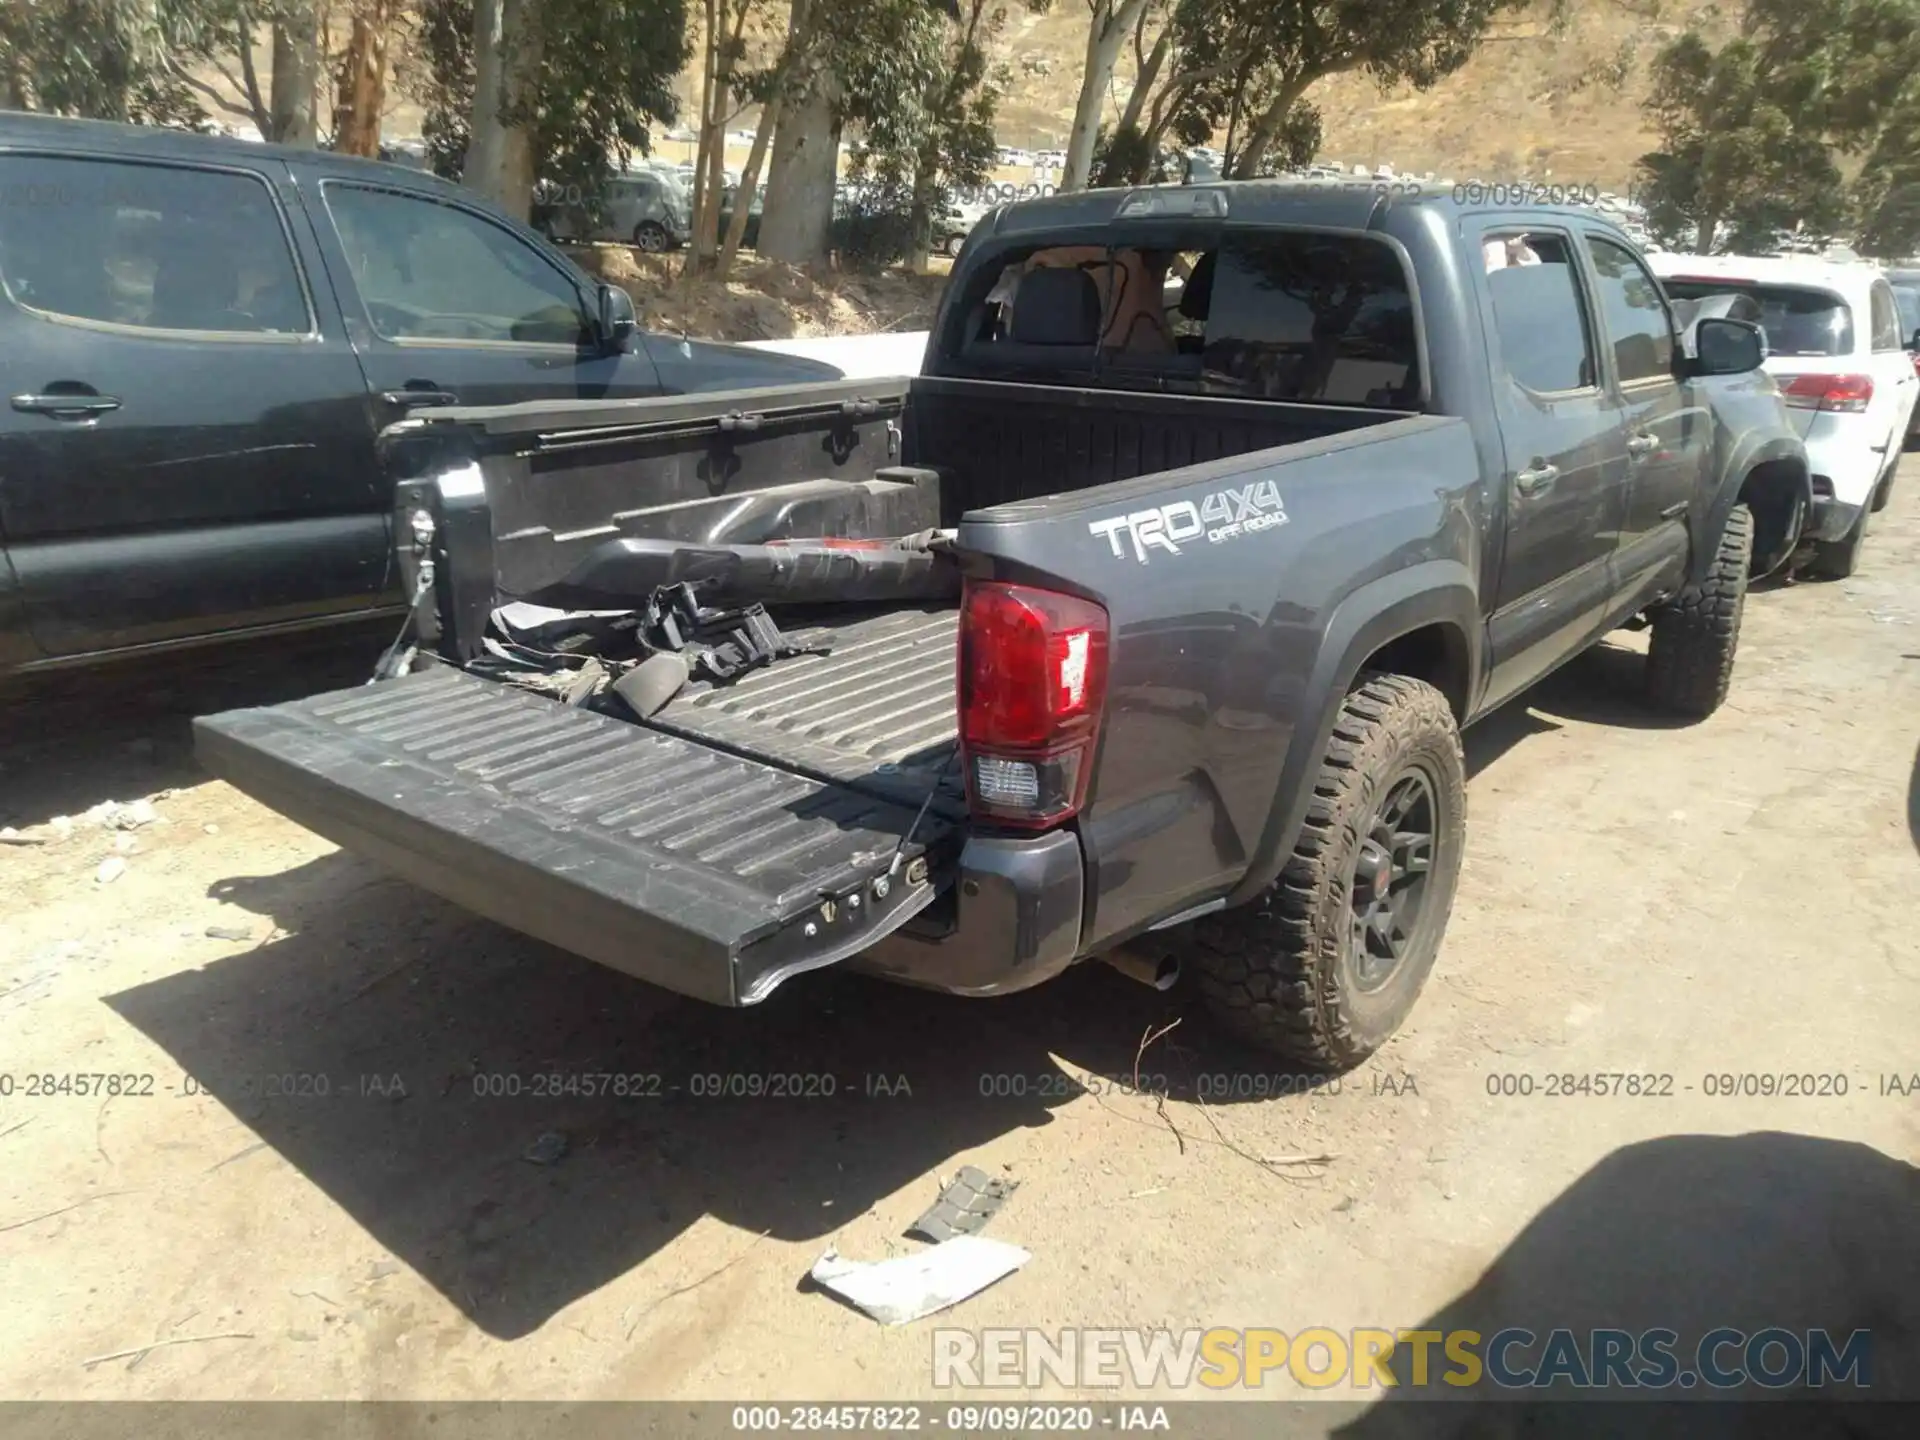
[(1836, 350), (1906, 296), (203, 338), (648, 208)]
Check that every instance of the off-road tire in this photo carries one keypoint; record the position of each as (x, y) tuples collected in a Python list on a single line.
[(652, 237), (1694, 635), (1838, 559), (1278, 971)]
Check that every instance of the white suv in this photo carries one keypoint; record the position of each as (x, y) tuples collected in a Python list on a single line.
[(1836, 350)]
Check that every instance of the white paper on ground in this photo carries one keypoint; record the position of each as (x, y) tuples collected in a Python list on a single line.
[(910, 1286)]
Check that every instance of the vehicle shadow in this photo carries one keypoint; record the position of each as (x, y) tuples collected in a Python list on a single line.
[(1690, 1233), (1602, 687), (420, 1021), (1913, 801), (71, 739)]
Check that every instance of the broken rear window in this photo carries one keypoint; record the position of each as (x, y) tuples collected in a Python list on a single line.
[(1272, 314)]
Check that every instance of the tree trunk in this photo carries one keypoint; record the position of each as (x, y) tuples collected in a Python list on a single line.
[(1143, 82), (702, 198), (362, 82), (749, 183), (798, 219), (1261, 134), (13, 84), (1113, 21), (506, 60), (799, 17), (926, 184), (296, 74), (1705, 235)]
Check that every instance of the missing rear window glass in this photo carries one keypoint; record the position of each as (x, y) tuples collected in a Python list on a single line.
[(1295, 316)]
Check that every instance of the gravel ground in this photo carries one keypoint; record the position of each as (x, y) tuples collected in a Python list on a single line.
[(1731, 898)]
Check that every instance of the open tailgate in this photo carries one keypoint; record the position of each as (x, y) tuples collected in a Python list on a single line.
[(698, 870)]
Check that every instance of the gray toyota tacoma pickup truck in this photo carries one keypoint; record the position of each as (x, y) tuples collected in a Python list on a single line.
[(1141, 626)]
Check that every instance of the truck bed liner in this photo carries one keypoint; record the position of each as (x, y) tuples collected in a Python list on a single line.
[(705, 872), (877, 713)]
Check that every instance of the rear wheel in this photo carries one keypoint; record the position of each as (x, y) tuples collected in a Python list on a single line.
[(955, 243), (1837, 559), (1695, 634), (1325, 964), (651, 236)]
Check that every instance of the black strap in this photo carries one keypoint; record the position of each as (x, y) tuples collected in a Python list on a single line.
[(720, 645)]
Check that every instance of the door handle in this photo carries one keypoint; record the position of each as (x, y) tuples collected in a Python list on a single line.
[(66, 407), (1535, 480), (1639, 445), (407, 399)]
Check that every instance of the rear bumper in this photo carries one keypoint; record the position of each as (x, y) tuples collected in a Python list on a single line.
[(693, 868), (1840, 448), (1831, 520), (1011, 921)]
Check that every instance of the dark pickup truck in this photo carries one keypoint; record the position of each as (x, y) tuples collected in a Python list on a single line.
[(202, 339), (1141, 626)]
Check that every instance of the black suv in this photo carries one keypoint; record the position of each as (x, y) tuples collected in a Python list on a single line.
[(204, 336)]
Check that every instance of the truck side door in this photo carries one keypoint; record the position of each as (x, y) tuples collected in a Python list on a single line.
[(449, 305), (1669, 427), (1566, 478), (187, 447)]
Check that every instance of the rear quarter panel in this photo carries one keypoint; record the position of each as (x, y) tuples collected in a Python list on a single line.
[(1231, 646)]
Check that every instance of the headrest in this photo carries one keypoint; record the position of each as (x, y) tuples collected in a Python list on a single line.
[(1196, 297), (1056, 307)]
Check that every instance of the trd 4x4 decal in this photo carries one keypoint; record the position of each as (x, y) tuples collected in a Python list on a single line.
[(1221, 516)]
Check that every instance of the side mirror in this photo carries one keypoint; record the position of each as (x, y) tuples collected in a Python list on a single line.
[(616, 320), (1727, 347)]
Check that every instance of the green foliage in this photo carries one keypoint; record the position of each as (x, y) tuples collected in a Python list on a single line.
[(108, 59), (1756, 134), (1246, 65), (924, 92), (606, 78)]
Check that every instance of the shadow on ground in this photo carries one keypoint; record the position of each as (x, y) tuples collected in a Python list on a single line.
[(436, 1037), (1690, 1233), (378, 981), (1913, 802), (70, 739)]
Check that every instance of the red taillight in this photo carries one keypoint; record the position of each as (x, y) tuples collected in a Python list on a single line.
[(1033, 679), (1847, 394), (1915, 357)]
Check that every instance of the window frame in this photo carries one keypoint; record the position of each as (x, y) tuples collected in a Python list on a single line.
[(1250, 236), (1581, 299), (311, 335), (448, 342), (1589, 239), (1880, 294), (956, 356)]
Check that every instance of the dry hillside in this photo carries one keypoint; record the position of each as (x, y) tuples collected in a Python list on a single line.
[(1522, 104), (1527, 103)]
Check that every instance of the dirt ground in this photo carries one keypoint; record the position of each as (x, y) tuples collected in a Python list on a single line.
[(1685, 901), (766, 299)]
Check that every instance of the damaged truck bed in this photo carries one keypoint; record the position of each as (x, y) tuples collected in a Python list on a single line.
[(1071, 646)]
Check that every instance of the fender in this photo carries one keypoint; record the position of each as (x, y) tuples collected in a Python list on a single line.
[(1432, 592), (1754, 449)]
